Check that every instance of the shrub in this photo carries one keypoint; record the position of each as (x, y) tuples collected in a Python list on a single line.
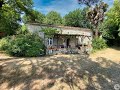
[(98, 44), (4, 42), (28, 45)]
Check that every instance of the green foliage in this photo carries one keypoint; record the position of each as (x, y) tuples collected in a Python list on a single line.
[(39, 17), (77, 18), (111, 27), (105, 31), (4, 43), (22, 30), (49, 32), (113, 15), (9, 20), (23, 45), (53, 18), (98, 44), (10, 14)]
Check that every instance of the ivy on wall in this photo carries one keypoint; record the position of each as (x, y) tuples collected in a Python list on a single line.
[(50, 32)]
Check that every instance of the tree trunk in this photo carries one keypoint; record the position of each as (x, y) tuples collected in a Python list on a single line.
[(96, 33)]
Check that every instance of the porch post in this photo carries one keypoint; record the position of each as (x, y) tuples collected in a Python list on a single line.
[(57, 41)]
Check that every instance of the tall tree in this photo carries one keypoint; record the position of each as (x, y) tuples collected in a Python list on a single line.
[(53, 18), (9, 19), (96, 15), (77, 18), (10, 12), (111, 27), (39, 17)]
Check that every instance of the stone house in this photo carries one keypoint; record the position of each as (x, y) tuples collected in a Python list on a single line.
[(68, 40)]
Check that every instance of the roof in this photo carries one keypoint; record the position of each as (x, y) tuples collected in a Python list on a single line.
[(63, 27)]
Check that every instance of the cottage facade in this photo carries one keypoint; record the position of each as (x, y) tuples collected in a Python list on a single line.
[(68, 40)]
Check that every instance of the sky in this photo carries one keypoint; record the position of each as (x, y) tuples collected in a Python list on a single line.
[(61, 6)]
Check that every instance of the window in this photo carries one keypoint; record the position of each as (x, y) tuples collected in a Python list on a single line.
[(50, 41)]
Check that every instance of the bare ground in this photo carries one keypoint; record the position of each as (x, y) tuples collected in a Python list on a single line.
[(99, 71)]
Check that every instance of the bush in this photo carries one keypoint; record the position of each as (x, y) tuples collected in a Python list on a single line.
[(4, 42), (98, 44), (25, 45)]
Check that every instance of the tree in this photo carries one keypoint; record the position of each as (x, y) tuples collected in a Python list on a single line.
[(88, 2), (113, 15), (96, 15), (10, 14), (111, 26), (9, 20), (19, 5), (53, 18), (39, 17), (77, 18)]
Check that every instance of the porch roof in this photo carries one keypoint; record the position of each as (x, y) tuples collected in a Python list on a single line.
[(72, 35)]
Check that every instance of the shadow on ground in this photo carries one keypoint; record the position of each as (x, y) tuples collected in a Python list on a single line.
[(77, 72)]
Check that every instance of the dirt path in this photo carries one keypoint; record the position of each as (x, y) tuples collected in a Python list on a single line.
[(110, 53), (99, 71)]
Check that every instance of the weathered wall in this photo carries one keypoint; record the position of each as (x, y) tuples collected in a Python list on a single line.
[(69, 31)]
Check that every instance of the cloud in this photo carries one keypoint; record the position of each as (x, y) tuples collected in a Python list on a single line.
[(61, 6)]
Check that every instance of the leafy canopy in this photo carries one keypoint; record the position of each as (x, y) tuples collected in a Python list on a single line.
[(10, 14), (77, 18), (9, 20), (53, 18), (49, 32), (39, 17), (111, 27)]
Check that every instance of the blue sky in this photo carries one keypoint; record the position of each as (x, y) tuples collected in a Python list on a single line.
[(61, 6)]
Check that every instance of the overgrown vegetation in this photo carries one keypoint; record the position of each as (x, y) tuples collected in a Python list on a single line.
[(98, 44), (111, 27), (50, 32), (4, 43), (10, 14), (28, 45)]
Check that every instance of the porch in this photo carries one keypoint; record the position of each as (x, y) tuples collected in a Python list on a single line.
[(67, 44)]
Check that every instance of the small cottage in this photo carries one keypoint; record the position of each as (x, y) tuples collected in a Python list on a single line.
[(68, 40)]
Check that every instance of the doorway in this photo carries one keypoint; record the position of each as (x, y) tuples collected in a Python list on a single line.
[(68, 42)]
